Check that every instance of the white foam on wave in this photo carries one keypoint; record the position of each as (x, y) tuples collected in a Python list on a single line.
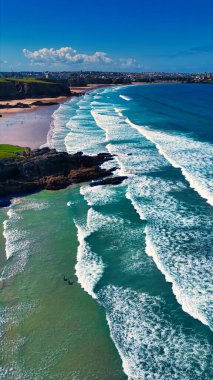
[(23, 204), (58, 126), (127, 98), (14, 237), (150, 345), (96, 220), (135, 205), (18, 243), (176, 244), (119, 111), (70, 203), (95, 197), (114, 128), (188, 302), (191, 286), (97, 117), (89, 267), (122, 170), (83, 133), (72, 121), (194, 158)]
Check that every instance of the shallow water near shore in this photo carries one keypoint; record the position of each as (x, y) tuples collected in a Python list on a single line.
[(141, 251), (49, 329)]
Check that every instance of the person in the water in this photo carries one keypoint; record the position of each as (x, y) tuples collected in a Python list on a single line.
[(68, 281)]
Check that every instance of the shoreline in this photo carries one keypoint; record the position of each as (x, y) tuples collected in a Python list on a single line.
[(29, 101), (68, 325), (27, 130), (11, 111), (78, 91), (17, 127), (72, 306)]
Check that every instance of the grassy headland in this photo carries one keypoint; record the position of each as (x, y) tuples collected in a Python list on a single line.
[(29, 87), (24, 80), (7, 151)]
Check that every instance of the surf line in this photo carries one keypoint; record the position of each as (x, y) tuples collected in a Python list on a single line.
[(193, 182), (125, 98)]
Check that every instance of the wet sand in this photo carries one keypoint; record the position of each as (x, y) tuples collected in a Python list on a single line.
[(61, 99), (27, 128), (89, 87), (6, 111)]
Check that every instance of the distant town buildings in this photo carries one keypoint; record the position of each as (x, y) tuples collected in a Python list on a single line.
[(82, 78)]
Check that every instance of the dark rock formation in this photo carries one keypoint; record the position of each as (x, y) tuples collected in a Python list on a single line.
[(17, 105), (21, 90), (4, 203), (48, 169), (38, 103), (109, 181)]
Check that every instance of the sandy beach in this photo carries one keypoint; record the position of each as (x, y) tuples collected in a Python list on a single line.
[(60, 99), (89, 87), (29, 126), (6, 111), (26, 128)]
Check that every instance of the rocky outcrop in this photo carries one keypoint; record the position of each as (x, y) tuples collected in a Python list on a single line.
[(17, 105), (48, 169), (21, 90), (109, 181), (37, 103)]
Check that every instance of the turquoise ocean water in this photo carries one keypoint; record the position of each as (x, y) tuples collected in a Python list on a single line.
[(142, 251)]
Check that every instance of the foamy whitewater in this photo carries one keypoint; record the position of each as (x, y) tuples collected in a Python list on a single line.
[(19, 240), (145, 246)]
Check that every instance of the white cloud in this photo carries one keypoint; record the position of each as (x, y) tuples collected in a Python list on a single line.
[(67, 57), (64, 55), (129, 63)]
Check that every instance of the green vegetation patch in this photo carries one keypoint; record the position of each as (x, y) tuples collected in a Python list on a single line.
[(24, 80), (7, 151)]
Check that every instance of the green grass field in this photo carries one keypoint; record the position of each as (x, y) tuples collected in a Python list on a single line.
[(7, 151), (28, 80)]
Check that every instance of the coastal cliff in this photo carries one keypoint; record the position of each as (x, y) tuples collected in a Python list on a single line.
[(22, 89), (51, 170)]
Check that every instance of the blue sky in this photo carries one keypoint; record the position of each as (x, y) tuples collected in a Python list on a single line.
[(137, 35)]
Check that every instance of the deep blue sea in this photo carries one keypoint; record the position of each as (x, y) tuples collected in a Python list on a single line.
[(145, 247)]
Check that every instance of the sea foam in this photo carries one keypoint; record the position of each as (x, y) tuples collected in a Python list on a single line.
[(153, 205), (176, 236), (89, 267), (127, 98), (150, 345), (194, 158), (18, 240), (189, 303)]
